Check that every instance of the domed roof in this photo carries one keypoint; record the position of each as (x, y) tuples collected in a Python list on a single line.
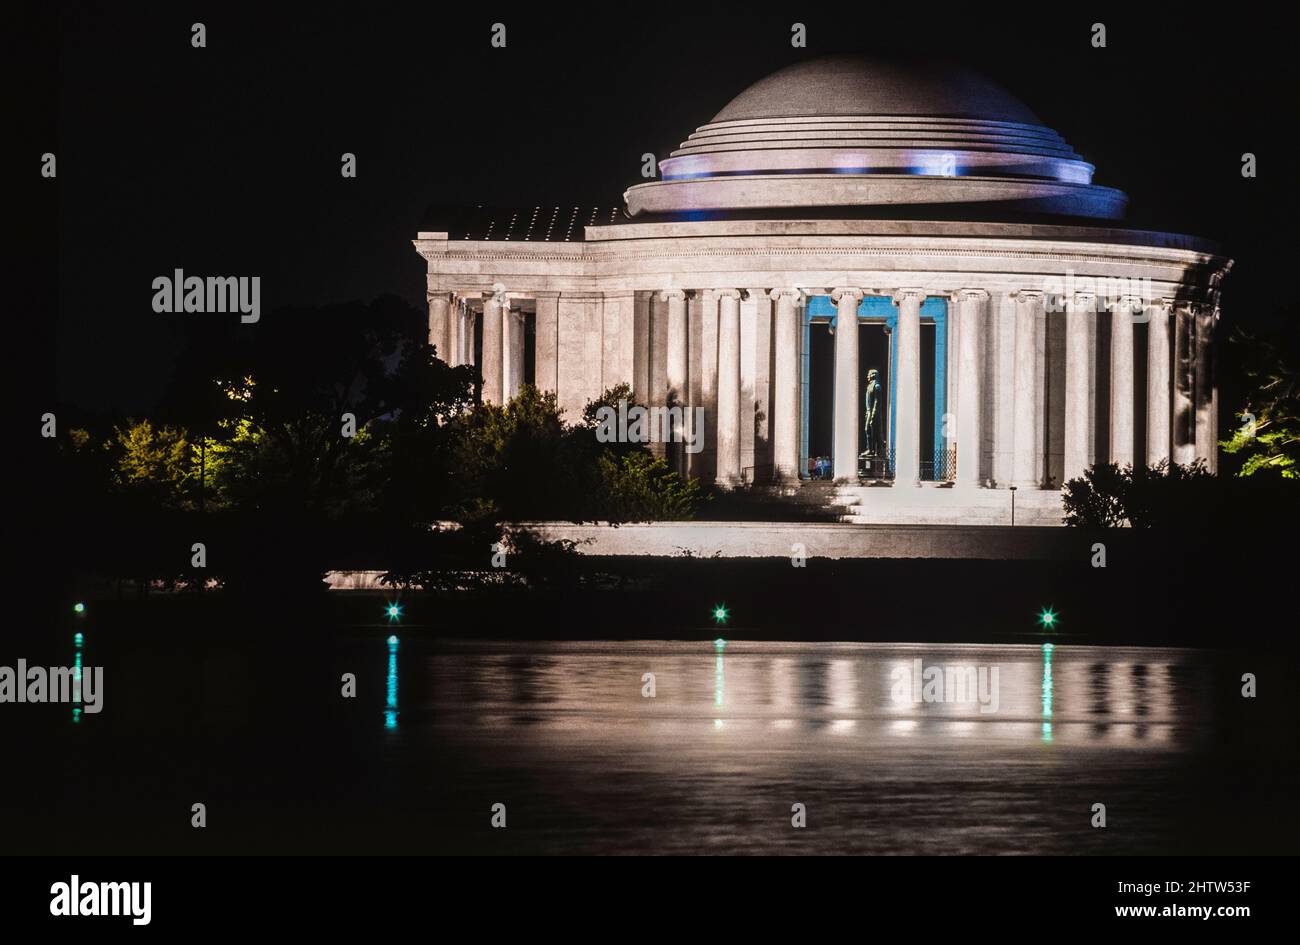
[(844, 131), (854, 85)]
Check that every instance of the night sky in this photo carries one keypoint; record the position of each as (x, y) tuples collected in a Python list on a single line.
[(225, 160)]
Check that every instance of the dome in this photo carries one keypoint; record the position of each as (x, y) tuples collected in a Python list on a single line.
[(845, 131), (854, 86)]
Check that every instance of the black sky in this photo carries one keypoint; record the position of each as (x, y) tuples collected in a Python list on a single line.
[(225, 160)]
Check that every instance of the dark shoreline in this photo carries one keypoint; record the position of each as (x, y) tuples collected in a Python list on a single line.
[(1143, 598)]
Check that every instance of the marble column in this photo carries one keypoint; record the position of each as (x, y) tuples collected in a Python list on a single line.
[(675, 366), (708, 457), (969, 387), (1158, 383), (785, 409), (468, 326), (658, 370), (675, 346), (439, 318), (1206, 447), (547, 342), (695, 461), (1184, 421), (1080, 310), (512, 355), (848, 411), (455, 318), (1122, 400), (728, 435), (493, 347), (907, 387), (1029, 305), (641, 346)]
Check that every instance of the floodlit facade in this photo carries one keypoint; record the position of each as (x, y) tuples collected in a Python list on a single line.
[(841, 216)]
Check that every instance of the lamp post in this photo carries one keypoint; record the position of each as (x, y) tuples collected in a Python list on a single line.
[(1013, 504)]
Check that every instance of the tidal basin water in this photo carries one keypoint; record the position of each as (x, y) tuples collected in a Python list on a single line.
[(566, 736)]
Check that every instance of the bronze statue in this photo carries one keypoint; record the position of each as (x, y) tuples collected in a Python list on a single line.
[(873, 420)]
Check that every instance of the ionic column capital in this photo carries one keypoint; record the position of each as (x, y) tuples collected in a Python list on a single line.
[(972, 295), (672, 295), (1081, 301), (1030, 296), (726, 293), (794, 295), (846, 292), (1133, 303), (899, 296)]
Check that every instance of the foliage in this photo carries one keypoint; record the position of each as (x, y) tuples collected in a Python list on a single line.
[(1164, 495), (521, 462), (154, 464), (1271, 441), (284, 397), (251, 437), (641, 487)]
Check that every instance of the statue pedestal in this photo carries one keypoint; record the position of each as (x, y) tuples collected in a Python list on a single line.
[(871, 466)]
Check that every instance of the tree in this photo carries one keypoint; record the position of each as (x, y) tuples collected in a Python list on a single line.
[(320, 410), (521, 461), (1164, 495), (152, 464), (1269, 436)]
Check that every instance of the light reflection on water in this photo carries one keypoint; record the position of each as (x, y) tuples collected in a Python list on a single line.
[(737, 731), (1056, 695)]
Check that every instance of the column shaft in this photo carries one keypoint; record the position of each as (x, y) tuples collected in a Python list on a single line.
[(785, 411), (1158, 384), (1079, 312), (439, 311), (512, 322), (1122, 402), (675, 374), (969, 387), (658, 370), (709, 305), (493, 341), (1184, 421), (728, 435), (675, 346), (1206, 447), (455, 316), (1028, 305), (847, 385), (907, 410), (547, 343)]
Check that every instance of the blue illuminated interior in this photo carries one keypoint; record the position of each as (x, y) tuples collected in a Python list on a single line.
[(876, 310)]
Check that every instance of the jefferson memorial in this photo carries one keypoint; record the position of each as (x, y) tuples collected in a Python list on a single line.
[(891, 277)]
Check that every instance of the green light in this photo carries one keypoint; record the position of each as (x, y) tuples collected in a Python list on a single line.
[(1047, 618), (394, 612), (79, 607), (720, 614), (77, 638)]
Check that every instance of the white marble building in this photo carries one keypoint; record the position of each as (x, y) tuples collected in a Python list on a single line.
[(842, 211)]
